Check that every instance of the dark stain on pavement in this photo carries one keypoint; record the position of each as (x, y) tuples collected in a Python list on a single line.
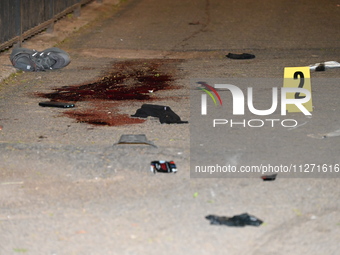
[(130, 80)]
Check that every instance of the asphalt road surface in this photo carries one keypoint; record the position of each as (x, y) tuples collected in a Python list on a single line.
[(68, 188)]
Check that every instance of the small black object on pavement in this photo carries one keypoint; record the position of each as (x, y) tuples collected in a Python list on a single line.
[(235, 221), (240, 56), (164, 113), (56, 104), (269, 177)]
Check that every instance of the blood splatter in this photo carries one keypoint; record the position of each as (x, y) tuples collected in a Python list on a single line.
[(129, 80), (103, 118)]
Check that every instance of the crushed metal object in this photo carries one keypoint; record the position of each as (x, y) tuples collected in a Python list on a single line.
[(134, 139)]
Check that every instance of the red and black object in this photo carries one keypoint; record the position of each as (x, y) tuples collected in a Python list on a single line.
[(163, 167), (269, 177)]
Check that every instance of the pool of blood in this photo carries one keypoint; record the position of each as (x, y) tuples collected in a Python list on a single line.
[(130, 80)]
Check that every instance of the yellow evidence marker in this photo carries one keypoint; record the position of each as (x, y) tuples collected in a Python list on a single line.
[(297, 77)]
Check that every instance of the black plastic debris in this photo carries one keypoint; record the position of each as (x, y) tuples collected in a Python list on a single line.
[(235, 221), (240, 56), (164, 113), (134, 139), (269, 177), (163, 167), (56, 104)]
